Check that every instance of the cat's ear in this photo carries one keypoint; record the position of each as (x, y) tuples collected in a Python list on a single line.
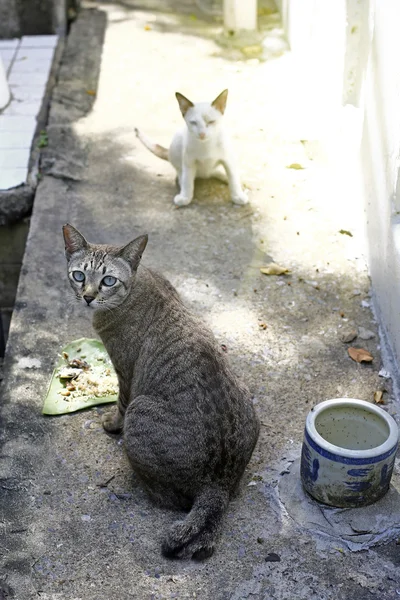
[(133, 251), (74, 241), (220, 102), (184, 103)]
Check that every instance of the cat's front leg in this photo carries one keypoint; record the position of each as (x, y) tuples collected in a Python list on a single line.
[(186, 180), (238, 196), (113, 421)]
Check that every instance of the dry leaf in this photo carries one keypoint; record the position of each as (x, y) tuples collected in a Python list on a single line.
[(251, 51), (262, 325), (274, 269), (360, 355), (295, 166), (378, 397), (266, 11), (91, 92), (147, 28)]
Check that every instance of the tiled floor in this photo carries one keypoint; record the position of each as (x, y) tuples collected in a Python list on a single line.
[(27, 62)]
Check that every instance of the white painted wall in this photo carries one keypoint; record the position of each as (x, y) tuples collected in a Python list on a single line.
[(380, 154), (348, 52)]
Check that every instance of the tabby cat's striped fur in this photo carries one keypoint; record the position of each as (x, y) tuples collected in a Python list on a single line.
[(189, 424)]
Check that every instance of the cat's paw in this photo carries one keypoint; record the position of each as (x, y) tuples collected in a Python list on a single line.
[(112, 422), (240, 198), (181, 200)]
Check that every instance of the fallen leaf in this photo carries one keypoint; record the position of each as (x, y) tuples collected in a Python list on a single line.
[(274, 269), (348, 336), (57, 404), (345, 232), (250, 51), (262, 325), (266, 10), (378, 397), (147, 28), (295, 166), (91, 92), (360, 355)]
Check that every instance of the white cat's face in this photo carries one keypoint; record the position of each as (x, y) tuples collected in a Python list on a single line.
[(203, 118)]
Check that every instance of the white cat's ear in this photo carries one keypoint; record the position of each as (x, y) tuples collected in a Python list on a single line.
[(220, 102), (184, 103), (74, 241), (133, 251)]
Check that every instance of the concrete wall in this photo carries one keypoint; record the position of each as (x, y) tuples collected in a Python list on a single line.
[(9, 19), (12, 246), (33, 17), (348, 53), (380, 160)]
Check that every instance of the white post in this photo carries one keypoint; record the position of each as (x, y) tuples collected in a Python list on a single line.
[(240, 15), (4, 89)]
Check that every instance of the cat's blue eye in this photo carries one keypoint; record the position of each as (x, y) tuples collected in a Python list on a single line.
[(78, 276), (109, 281), (193, 122), (211, 122)]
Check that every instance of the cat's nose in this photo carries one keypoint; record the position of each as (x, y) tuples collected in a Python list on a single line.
[(88, 299), (202, 135)]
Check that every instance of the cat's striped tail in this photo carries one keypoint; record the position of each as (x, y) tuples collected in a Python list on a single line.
[(195, 536), (156, 149)]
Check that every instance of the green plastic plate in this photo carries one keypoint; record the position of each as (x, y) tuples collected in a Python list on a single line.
[(94, 353)]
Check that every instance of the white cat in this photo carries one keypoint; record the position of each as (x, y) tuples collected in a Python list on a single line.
[(199, 149)]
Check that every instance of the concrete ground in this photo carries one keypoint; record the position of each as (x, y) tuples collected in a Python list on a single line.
[(75, 523)]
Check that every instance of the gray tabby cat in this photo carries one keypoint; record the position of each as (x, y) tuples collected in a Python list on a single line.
[(189, 425)]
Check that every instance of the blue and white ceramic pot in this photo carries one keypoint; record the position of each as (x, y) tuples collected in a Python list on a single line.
[(348, 452)]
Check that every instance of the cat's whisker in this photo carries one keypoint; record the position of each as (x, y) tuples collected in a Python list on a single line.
[(71, 302)]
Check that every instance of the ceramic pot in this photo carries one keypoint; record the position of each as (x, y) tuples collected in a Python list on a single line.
[(348, 452)]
